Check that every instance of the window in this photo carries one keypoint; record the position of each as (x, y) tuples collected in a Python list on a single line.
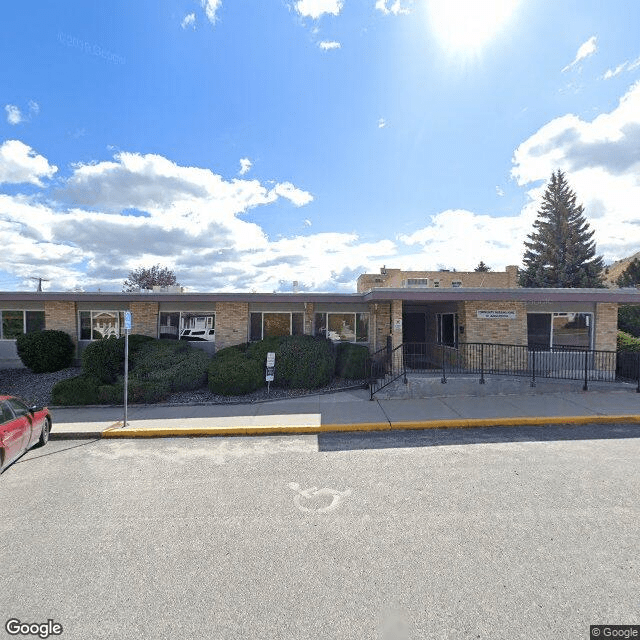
[(456, 283), (546, 331), (264, 324), (417, 282), (15, 323), (343, 327), (447, 329), (95, 325), (436, 283), (195, 326)]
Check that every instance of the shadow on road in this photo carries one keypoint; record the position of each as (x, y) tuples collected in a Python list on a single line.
[(481, 435)]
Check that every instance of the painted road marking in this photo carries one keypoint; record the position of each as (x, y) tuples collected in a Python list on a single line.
[(309, 495)]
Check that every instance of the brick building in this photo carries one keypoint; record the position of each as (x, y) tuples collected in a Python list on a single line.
[(405, 305)]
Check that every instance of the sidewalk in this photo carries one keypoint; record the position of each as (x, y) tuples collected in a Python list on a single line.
[(353, 411)]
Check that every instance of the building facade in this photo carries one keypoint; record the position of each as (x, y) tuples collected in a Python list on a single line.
[(417, 313)]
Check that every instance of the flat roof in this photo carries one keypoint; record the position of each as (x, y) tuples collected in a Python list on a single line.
[(444, 294)]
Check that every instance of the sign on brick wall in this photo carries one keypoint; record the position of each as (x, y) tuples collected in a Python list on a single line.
[(496, 314)]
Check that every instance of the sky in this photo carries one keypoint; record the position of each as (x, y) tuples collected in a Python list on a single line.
[(248, 145)]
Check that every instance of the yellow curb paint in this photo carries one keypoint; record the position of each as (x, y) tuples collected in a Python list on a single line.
[(456, 423)]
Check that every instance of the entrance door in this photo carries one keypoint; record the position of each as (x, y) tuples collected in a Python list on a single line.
[(414, 327)]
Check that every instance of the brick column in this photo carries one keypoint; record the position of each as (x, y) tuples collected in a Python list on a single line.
[(382, 325), (232, 323), (308, 318), (606, 326), (144, 318), (61, 316), (396, 321)]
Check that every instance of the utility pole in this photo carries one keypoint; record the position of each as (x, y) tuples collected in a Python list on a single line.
[(40, 281)]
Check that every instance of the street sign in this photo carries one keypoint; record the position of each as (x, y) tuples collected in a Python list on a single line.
[(271, 366), (127, 320)]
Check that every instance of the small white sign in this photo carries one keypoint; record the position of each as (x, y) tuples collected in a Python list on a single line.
[(397, 325), (271, 359), (271, 367), (496, 314)]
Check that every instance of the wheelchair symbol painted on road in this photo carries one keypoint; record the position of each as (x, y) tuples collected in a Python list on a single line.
[(313, 500)]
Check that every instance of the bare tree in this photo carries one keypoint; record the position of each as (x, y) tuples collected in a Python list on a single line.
[(148, 277)]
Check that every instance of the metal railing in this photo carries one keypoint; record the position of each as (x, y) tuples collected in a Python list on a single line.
[(481, 358)]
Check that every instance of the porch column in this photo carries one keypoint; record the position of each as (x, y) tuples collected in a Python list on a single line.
[(396, 323)]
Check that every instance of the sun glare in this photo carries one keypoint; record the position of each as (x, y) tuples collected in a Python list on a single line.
[(464, 27)]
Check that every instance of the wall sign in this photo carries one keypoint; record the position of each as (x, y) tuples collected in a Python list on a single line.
[(397, 325), (496, 314)]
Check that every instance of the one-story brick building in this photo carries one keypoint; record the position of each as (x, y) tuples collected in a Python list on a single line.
[(442, 307)]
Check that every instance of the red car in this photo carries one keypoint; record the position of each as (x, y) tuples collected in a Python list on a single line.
[(21, 428)]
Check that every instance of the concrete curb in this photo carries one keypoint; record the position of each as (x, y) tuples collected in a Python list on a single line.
[(461, 423)]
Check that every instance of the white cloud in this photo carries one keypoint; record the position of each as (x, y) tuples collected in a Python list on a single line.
[(34, 107), (289, 191), (315, 8), (391, 7), (585, 50), (499, 191), (13, 114), (211, 8), (625, 66), (382, 123), (601, 158), (245, 166), (328, 45), (189, 21), (19, 163), (307, 222)]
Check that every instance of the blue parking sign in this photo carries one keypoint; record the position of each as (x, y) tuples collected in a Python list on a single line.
[(127, 320)]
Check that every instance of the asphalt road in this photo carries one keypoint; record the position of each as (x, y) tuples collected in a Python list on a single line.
[(479, 533)]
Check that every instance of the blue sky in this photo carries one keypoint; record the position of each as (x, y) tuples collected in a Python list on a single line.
[(250, 144)]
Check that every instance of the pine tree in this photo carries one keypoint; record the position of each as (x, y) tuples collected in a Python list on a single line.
[(561, 251), (482, 267), (630, 277)]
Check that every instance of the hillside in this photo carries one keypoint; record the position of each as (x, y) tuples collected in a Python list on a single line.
[(614, 271)]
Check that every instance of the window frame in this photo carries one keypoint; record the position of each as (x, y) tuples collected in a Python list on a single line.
[(119, 323), (325, 334), (559, 314), (180, 329), (262, 314), (439, 329), (25, 323)]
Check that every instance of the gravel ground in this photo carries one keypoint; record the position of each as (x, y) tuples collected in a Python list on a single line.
[(35, 389)]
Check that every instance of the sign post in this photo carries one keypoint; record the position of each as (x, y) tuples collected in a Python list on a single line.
[(271, 369), (127, 328)]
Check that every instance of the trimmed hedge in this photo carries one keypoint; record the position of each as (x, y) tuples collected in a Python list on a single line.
[(234, 374), (304, 362), (104, 359), (74, 391), (45, 351), (351, 361)]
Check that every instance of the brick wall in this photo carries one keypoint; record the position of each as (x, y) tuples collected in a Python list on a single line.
[(232, 323), (396, 320), (491, 330), (144, 318), (61, 316), (606, 326), (382, 324)]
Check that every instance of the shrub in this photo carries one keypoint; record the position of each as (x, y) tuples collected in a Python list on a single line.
[(176, 366), (351, 361), (258, 350), (45, 351), (104, 359), (73, 391), (627, 342), (304, 362), (235, 375), (629, 319)]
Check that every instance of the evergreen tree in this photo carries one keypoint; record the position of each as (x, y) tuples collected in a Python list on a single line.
[(630, 277), (560, 251), (482, 267)]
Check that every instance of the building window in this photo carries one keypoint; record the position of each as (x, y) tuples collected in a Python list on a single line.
[(16, 322), (195, 326), (95, 325), (417, 282), (562, 331), (436, 283), (264, 324), (456, 283), (447, 329), (343, 327)]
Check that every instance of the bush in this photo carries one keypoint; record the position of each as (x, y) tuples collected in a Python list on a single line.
[(258, 350), (304, 362), (351, 361), (235, 374), (104, 359), (45, 351), (629, 319), (74, 391), (627, 342), (176, 366)]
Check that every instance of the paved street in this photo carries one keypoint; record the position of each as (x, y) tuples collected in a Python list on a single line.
[(473, 533)]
